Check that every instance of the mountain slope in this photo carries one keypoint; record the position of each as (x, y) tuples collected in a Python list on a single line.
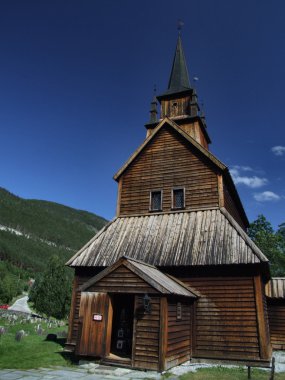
[(32, 230)]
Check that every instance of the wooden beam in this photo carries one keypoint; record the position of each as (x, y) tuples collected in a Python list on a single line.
[(221, 190), (72, 310), (163, 333), (134, 340), (119, 196), (108, 331), (193, 328), (261, 320), (79, 335)]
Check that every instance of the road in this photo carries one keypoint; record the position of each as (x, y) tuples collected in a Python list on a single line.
[(21, 305)]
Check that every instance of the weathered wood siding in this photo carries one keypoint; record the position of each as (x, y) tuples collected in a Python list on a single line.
[(179, 334), (74, 310), (71, 339), (266, 316), (195, 131), (226, 318), (79, 279), (182, 107), (209, 237), (122, 280), (146, 332), (165, 163), (231, 207), (92, 334), (276, 313)]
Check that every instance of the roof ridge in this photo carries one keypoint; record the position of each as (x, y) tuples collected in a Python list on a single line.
[(138, 261)]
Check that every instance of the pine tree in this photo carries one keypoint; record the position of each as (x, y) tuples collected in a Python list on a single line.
[(51, 293)]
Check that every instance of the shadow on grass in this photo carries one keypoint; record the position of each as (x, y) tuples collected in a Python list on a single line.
[(61, 341), (69, 357)]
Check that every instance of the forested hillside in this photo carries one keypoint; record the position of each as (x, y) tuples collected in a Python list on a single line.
[(31, 231)]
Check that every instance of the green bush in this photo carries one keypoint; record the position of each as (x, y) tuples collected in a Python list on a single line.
[(51, 292)]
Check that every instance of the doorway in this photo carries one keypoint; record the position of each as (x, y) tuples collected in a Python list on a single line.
[(122, 325)]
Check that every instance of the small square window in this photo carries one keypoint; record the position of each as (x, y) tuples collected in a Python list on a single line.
[(178, 198), (155, 200), (179, 311)]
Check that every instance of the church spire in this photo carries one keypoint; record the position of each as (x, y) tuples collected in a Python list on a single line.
[(180, 102), (179, 78)]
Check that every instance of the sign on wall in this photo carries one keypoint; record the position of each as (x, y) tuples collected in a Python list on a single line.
[(97, 317)]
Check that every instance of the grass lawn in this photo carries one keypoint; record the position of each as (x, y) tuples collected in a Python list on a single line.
[(219, 373), (33, 351)]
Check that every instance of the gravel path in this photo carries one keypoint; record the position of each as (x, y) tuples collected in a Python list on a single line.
[(93, 371)]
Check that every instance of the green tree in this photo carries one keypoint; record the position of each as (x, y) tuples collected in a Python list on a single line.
[(51, 293), (8, 289), (281, 230), (270, 243)]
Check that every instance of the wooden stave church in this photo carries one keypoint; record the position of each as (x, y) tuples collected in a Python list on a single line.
[(179, 217)]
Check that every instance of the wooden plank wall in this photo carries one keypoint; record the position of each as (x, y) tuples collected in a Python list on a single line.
[(91, 339), (146, 331), (165, 163), (122, 280), (74, 309), (179, 335), (226, 326), (182, 108), (230, 206), (276, 313), (195, 131)]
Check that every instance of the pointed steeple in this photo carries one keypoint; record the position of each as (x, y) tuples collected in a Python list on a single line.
[(179, 78), (180, 102)]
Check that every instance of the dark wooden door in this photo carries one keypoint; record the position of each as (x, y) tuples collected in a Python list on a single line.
[(95, 317)]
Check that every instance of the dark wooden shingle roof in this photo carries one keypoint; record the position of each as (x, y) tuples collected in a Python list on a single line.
[(209, 237)]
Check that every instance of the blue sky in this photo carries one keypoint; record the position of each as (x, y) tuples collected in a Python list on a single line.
[(76, 80)]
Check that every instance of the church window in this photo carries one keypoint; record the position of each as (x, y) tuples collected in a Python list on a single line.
[(174, 108), (156, 200), (178, 198)]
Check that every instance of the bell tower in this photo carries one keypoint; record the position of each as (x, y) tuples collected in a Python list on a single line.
[(180, 102)]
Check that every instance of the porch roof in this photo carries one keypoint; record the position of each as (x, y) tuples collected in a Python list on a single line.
[(163, 283)]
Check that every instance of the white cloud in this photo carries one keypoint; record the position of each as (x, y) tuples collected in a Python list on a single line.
[(252, 181), (243, 168), (278, 150), (266, 196)]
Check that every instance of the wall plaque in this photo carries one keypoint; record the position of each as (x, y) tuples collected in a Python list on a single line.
[(97, 317)]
